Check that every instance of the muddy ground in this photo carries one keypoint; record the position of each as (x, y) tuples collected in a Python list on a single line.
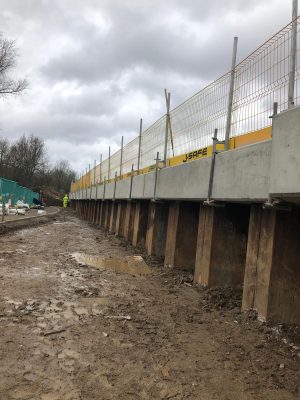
[(74, 326)]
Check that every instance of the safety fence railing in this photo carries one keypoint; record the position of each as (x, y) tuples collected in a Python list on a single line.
[(260, 80)]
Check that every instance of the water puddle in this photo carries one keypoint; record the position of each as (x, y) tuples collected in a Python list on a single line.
[(132, 265)]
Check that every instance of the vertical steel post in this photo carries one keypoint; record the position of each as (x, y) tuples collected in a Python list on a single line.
[(89, 184), (100, 167), (156, 173), (121, 157), (269, 202), (95, 184), (275, 109), (108, 163), (103, 197), (116, 176), (140, 146), (212, 165), (95, 172), (86, 182), (131, 179), (168, 101), (96, 191), (293, 52), (230, 95)]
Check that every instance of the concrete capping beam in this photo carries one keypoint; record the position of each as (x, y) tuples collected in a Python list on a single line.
[(93, 193), (122, 189), (285, 159), (241, 175), (109, 191)]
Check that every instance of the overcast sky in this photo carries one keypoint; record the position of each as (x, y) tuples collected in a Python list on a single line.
[(96, 66)]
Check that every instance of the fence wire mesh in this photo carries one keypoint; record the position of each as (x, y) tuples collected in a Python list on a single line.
[(115, 161), (194, 121), (261, 79), (130, 156), (153, 140)]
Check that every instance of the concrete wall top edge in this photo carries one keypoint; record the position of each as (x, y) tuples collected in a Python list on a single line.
[(240, 175)]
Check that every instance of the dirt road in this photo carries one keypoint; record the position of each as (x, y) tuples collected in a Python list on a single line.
[(74, 326)]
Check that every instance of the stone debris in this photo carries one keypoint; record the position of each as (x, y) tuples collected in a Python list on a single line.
[(124, 317)]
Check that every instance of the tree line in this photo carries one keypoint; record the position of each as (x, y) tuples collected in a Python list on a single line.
[(25, 161)]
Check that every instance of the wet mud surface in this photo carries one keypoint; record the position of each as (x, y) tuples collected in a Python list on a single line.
[(74, 325)]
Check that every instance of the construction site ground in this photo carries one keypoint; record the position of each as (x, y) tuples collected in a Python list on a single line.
[(81, 318)]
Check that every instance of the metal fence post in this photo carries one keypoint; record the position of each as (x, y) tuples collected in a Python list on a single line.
[(208, 201), (103, 197), (96, 195), (293, 56), (95, 163), (140, 145), (100, 168), (131, 179), (86, 174), (275, 110), (95, 172), (89, 182), (212, 165), (121, 157), (116, 176), (168, 100), (157, 159), (230, 95), (108, 172)]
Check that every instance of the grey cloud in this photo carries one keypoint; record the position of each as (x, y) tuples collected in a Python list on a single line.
[(91, 102), (120, 55), (133, 43)]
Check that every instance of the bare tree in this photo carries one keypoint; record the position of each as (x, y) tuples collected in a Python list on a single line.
[(4, 150), (61, 176), (27, 158), (25, 161), (8, 56)]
